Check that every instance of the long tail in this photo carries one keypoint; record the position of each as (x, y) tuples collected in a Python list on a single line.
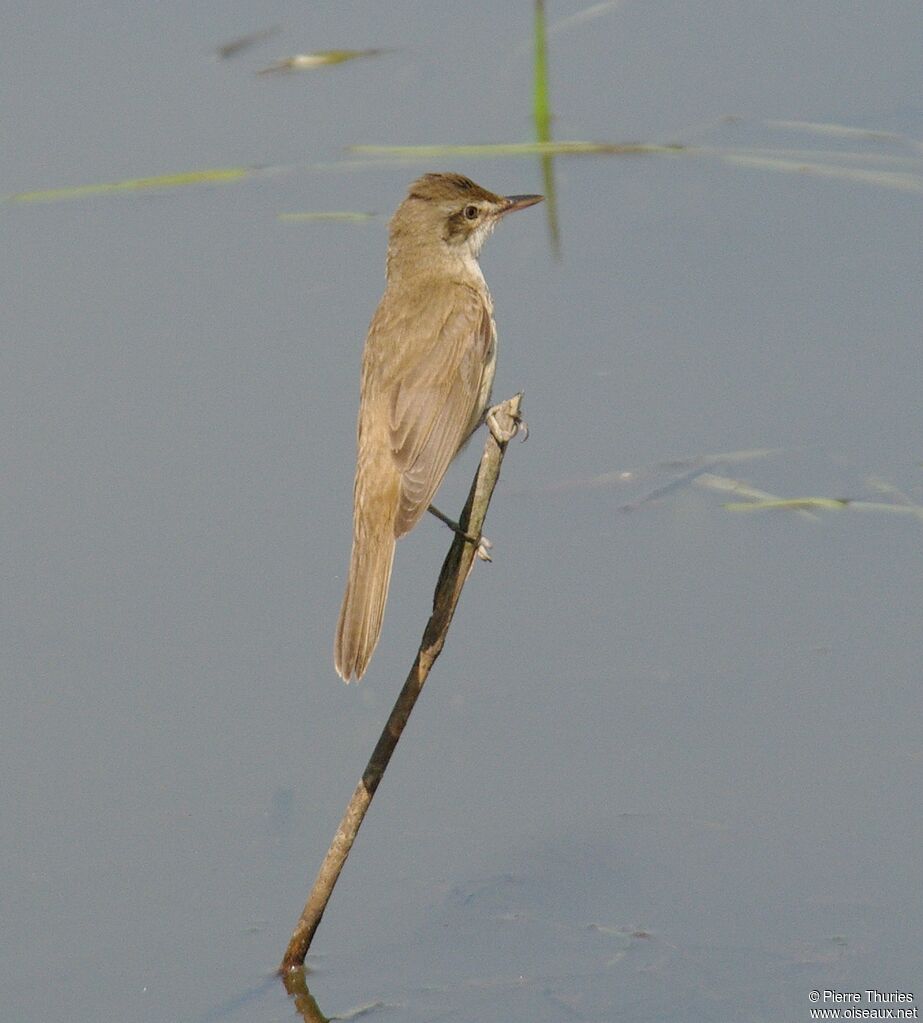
[(364, 602)]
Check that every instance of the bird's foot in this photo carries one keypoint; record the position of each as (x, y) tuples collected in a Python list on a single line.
[(503, 425), (481, 543)]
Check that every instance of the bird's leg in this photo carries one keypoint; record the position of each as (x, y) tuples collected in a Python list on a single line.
[(482, 544), (501, 433)]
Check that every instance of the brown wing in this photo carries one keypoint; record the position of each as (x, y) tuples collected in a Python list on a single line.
[(435, 400)]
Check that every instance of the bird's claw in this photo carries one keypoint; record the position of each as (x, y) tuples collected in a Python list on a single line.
[(503, 434), (481, 544)]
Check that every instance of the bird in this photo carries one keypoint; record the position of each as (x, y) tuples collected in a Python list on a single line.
[(427, 372)]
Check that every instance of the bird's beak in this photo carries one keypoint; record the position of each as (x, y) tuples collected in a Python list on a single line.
[(519, 202)]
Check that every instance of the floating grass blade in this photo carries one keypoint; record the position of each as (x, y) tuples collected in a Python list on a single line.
[(825, 156), (587, 14), (690, 466), (235, 46), (883, 506), (494, 149), (901, 182), (726, 484), (895, 493), (837, 130), (322, 58), (790, 504), (667, 488), (219, 176), (347, 216), (808, 504)]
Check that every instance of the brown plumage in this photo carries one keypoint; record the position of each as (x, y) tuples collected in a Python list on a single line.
[(427, 372)]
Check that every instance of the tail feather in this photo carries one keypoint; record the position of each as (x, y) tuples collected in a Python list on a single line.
[(363, 604)]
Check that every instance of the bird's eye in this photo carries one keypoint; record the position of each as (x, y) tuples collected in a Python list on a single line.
[(471, 213)]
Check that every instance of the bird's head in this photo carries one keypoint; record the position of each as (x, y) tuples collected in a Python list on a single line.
[(451, 212)]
